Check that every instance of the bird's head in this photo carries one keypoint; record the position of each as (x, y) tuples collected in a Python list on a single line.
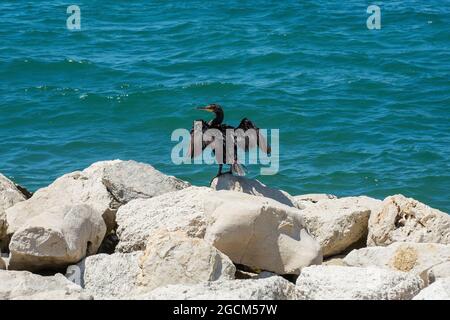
[(212, 108)]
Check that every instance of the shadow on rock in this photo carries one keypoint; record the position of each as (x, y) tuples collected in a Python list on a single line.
[(250, 186)]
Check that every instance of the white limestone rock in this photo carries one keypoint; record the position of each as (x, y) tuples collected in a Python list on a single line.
[(56, 238), (270, 288), (439, 290), (261, 233), (108, 276), (314, 197), (104, 186), (251, 186), (339, 223), (356, 283), (411, 257), (175, 258), (402, 219), (129, 180), (24, 285), (9, 196), (440, 270), (181, 210), (273, 234), (170, 258), (334, 261), (303, 200), (45, 227)]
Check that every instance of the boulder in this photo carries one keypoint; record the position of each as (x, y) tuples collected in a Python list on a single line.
[(441, 270), (24, 285), (45, 227), (303, 200), (261, 233), (339, 223), (2, 264), (170, 258), (174, 258), (401, 256), (314, 197), (355, 283), (104, 186), (250, 186), (108, 276), (56, 238), (272, 233), (402, 219), (10, 194), (271, 288), (129, 180), (334, 261), (181, 210), (439, 290)]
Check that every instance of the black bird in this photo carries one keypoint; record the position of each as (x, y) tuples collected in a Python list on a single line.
[(241, 139)]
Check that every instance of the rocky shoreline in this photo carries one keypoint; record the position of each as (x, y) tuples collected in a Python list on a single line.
[(123, 230)]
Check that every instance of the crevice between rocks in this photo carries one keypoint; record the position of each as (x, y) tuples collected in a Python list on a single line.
[(27, 194), (111, 239)]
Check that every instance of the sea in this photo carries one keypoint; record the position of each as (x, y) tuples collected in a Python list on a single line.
[(361, 97)]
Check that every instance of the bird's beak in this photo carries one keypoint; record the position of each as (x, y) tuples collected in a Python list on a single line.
[(207, 108)]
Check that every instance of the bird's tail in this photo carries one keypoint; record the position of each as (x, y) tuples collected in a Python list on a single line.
[(238, 169)]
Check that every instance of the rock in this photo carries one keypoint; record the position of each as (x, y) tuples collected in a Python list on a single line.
[(45, 226), (404, 219), (181, 210), (355, 283), (334, 261), (339, 223), (108, 276), (56, 238), (24, 285), (170, 258), (439, 290), (402, 256), (174, 258), (129, 180), (272, 233), (104, 186), (304, 200), (441, 270), (2, 264), (249, 186), (314, 197), (271, 288), (71, 189), (261, 233), (10, 194)]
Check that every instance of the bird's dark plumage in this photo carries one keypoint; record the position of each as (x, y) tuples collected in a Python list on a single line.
[(200, 142)]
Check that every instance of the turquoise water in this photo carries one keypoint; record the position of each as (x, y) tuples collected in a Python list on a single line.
[(360, 111)]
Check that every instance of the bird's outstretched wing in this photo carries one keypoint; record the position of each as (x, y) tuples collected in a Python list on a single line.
[(251, 137), (197, 142)]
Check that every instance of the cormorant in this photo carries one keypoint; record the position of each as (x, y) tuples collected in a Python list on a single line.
[(241, 139)]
